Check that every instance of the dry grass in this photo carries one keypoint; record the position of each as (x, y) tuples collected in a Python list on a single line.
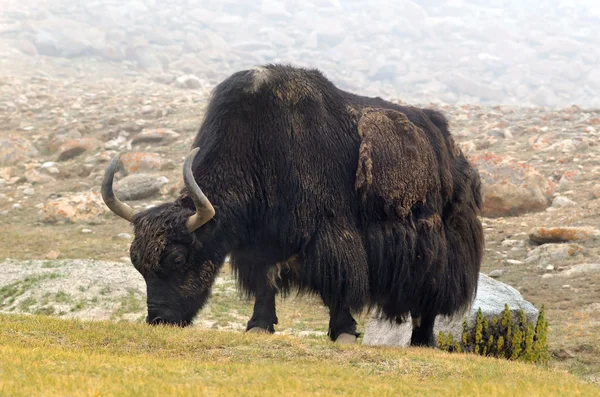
[(47, 356)]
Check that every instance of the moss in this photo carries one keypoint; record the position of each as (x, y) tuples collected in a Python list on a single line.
[(503, 337)]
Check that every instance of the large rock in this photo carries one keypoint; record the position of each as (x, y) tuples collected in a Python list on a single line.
[(139, 186), (491, 297), (511, 188), (155, 135), (66, 38), (75, 208), (15, 149), (138, 161), (74, 147), (560, 234), (552, 253)]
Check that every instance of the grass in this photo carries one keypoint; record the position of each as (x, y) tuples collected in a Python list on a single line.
[(47, 356)]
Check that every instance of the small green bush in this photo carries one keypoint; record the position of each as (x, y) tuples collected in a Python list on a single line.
[(506, 338)]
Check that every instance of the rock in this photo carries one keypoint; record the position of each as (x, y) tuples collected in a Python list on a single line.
[(34, 176), (66, 38), (577, 270), (74, 147), (15, 149), (514, 262), (562, 202), (156, 135), (29, 191), (5, 173), (138, 161), (74, 208), (56, 140), (595, 191), (86, 231), (52, 255), (544, 235), (511, 188), (125, 236), (138, 187), (496, 273), (567, 146), (188, 82), (491, 297), (567, 180), (553, 252)]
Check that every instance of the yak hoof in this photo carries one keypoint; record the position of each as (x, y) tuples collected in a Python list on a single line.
[(346, 339), (258, 330)]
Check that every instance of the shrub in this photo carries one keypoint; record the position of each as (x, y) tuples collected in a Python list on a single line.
[(512, 339)]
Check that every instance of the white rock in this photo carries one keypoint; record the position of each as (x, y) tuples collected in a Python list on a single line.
[(562, 202), (491, 297)]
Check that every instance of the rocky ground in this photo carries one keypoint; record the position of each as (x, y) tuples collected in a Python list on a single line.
[(63, 116), (453, 51)]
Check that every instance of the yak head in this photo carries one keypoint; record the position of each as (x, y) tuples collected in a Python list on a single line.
[(168, 249)]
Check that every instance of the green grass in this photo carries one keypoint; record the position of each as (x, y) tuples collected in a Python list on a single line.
[(47, 356)]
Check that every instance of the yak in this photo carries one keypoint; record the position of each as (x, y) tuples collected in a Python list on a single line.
[(360, 201)]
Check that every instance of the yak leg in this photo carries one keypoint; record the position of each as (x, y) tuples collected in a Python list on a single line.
[(264, 315), (422, 330), (342, 326)]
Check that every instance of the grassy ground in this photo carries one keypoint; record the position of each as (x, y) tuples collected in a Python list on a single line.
[(47, 356)]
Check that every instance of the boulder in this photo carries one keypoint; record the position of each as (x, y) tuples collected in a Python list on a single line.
[(188, 81), (139, 186), (74, 208), (15, 149), (511, 188), (155, 135), (544, 235), (552, 253), (491, 297), (138, 161), (74, 147)]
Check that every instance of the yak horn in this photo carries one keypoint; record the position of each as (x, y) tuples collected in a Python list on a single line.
[(111, 201), (204, 209)]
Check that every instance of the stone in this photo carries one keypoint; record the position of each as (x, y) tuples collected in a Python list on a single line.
[(138, 187), (544, 235), (86, 231), (141, 162), (581, 269), (496, 273), (491, 297), (568, 179), (5, 173), (34, 176), (511, 188), (74, 208), (562, 202), (52, 255), (74, 147), (15, 149), (553, 252), (125, 236), (595, 191), (29, 191), (155, 135), (188, 82)]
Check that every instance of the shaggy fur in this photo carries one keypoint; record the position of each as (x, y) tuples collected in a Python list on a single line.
[(360, 201)]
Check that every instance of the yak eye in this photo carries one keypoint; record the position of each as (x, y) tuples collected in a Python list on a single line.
[(179, 260)]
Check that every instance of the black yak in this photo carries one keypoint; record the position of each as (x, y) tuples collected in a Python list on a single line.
[(366, 203)]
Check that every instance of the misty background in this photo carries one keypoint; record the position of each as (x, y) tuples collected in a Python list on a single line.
[(449, 51)]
